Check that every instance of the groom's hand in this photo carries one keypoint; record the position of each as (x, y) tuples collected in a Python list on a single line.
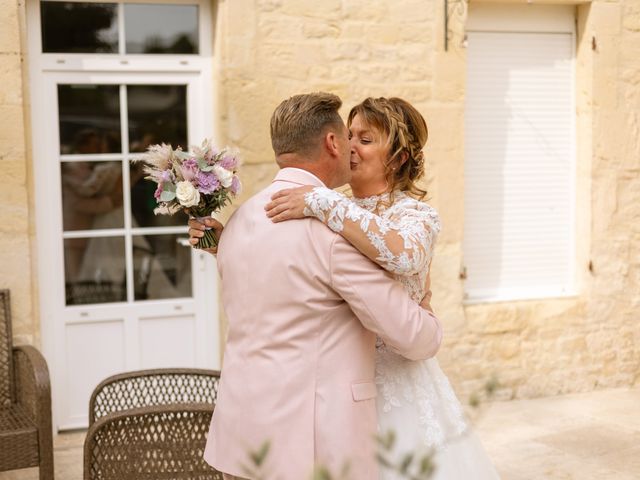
[(197, 228), (426, 301)]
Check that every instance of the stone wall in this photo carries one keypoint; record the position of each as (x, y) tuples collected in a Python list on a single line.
[(275, 48), (16, 229)]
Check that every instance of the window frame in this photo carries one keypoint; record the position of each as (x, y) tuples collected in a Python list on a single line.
[(121, 61)]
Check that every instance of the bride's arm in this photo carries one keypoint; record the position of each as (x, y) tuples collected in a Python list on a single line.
[(401, 245)]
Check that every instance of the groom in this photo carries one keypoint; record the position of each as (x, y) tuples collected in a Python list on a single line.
[(304, 308)]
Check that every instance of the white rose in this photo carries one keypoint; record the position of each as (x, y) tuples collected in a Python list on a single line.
[(224, 175), (187, 194)]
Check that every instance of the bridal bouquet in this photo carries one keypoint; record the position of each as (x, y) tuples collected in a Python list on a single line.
[(200, 181)]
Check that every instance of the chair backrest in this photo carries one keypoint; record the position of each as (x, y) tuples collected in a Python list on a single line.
[(6, 346), (145, 388), (156, 442)]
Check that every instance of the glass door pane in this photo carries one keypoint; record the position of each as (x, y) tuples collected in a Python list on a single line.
[(79, 27), (157, 114), (88, 27), (91, 195), (115, 248), (162, 266), (161, 28), (94, 270), (89, 119)]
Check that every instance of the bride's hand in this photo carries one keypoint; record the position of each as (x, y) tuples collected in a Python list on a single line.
[(197, 228), (287, 204)]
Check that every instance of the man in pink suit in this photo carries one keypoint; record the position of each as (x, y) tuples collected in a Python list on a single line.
[(304, 308)]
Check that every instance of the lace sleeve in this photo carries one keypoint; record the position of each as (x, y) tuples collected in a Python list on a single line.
[(401, 242)]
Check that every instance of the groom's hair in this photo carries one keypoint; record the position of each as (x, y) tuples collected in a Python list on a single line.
[(298, 123)]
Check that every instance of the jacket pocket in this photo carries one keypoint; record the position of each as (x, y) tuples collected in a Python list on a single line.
[(364, 391)]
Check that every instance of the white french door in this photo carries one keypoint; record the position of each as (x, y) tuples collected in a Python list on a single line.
[(120, 288)]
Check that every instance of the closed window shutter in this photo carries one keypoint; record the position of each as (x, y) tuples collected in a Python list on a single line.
[(519, 165)]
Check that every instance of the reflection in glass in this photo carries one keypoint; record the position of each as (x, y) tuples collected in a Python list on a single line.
[(75, 27), (89, 118), (157, 114), (156, 28), (94, 270), (143, 202), (91, 195), (161, 267)]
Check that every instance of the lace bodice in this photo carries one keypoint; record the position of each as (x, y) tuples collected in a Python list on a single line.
[(400, 235)]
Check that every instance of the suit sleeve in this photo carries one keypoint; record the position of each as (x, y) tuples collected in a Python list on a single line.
[(382, 304)]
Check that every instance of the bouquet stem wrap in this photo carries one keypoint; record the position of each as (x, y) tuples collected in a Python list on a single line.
[(209, 240)]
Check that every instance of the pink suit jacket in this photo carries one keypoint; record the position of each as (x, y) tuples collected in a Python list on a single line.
[(304, 308)]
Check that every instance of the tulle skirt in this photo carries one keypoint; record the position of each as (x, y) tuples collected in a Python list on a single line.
[(416, 402)]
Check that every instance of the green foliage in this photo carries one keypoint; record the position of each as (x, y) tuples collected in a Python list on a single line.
[(412, 465), (210, 203), (204, 166), (258, 457), (167, 195), (321, 473), (182, 155)]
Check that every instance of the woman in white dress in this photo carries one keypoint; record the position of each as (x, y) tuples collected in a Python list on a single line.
[(387, 221)]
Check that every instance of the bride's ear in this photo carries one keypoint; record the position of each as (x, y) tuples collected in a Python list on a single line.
[(399, 160), (402, 158)]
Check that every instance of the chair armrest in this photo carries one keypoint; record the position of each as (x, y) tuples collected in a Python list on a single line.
[(151, 441), (33, 394), (129, 390), (33, 387)]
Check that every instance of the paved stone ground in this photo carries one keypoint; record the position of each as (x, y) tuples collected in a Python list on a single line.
[(580, 436), (572, 437)]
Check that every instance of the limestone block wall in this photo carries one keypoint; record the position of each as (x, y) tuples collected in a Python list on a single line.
[(271, 49), (16, 229)]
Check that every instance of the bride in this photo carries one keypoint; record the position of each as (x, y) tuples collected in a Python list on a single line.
[(387, 221)]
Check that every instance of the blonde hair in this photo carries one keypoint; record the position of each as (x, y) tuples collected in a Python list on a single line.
[(406, 132), (298, 122)]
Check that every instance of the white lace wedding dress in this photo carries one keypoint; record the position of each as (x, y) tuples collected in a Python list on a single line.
[(415, 398)]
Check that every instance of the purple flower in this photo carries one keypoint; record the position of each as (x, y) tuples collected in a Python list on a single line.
[(158, 192), (235, 185), (189, 169), (207, 182), (167, 176), (229, 162)]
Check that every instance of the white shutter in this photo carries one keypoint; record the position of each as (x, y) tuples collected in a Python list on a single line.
[(519, 165)]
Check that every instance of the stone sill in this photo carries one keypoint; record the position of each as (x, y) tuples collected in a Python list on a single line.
[(471, 302)]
